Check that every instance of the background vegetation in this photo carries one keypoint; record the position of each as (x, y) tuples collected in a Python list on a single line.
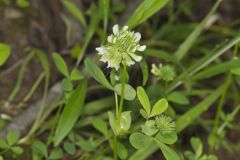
[(55, 94)]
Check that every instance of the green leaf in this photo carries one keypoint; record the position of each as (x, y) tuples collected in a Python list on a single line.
[(145, 10), (96, 73), (178, 97), (91, 29), (122, 151), (188, 43), (145, 73), (100, 125), (159, 107), (112, 122), (129, 91), (76, 51), (144, 113), (169, 138), (69, 148), (197, 146), (71, 112), (67, 85), (3, 144), (149, 128), (104, 8), (56, 154), (139, 140), (1, 158), (75, 11), (86, 145), (168, 153), (12, 138), (61, 64), (125, 121), (143, 98), (23, 3), (5, 50), (17, 150), (76, 75), (40, 148)]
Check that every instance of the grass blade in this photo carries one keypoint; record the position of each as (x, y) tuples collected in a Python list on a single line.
[(104, 8), (145, 10), (217, 69), (75, 11), (187, 44)]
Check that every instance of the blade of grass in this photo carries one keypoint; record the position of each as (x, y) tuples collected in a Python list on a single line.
[(20, 77), (205, 61), (94, 21), (145, 10), (104, 8), (75, 11), (217, 69), (187, 44)]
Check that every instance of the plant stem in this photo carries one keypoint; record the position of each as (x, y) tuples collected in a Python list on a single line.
[(115, 148), (122, 91), (20, 77), (221, 103)]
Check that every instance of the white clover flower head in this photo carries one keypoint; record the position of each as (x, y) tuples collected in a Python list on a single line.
[(121, 47)]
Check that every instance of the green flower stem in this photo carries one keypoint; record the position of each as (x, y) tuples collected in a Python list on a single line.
[(116, 101), (122, 91)]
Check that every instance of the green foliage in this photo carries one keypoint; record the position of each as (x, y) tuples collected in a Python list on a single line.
[(75, 11), (121, 126), (5, 50), (109, 126), (159, 107), (139, 140), (144, 100), (71, 112), (23, 3), (187, 44), (9, 145), (198, 151), (146, 9), (168, 153), (61, 64), (178, 97), (100, 125), (129, 92), (96, 73)]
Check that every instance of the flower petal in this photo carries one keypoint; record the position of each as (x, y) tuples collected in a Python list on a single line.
[(129, 61), (137, 36), (136, 57), (101, 50), (141, 48), (125, 28), (115, 29), (110, 39)]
